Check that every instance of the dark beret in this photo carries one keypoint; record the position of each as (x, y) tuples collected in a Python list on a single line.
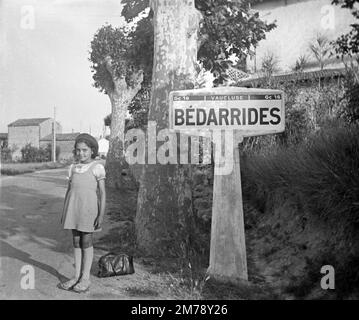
[(89, 140)]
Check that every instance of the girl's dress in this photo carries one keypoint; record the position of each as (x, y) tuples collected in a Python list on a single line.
[(81, 206)]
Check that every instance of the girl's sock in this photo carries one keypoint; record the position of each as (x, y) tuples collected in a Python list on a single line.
[(87, 255), (78, 262)]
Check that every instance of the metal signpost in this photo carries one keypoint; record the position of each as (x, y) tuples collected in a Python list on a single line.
[(243, 112)]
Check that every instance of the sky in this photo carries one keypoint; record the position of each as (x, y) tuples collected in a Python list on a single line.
[(44, 47)]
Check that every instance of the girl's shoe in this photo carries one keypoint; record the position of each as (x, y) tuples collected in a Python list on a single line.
[(68, 285), (82, 286)]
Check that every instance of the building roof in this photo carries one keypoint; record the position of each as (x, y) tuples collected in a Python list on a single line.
[(61, 137), (235, 74), (3, 135), (27, 122), (297, 76)]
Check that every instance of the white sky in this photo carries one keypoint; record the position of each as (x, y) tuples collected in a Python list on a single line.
[(47, 66)]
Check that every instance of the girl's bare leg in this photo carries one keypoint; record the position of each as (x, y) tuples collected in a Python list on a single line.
[(77, 253), (87, 257), (87, 253), (77, 259)]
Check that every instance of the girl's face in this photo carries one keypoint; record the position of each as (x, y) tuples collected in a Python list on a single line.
[(83, 152)]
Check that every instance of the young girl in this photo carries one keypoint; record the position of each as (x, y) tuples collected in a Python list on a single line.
[(83, 210)]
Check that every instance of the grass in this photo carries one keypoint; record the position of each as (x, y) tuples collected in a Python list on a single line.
[(21, 168), (323, 172), (138, 291), (321, 178)]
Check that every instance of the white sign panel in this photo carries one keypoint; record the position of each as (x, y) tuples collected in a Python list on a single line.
[(252, 111)]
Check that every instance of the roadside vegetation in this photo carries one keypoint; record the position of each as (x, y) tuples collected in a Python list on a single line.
[(11, 169), (300, 187)]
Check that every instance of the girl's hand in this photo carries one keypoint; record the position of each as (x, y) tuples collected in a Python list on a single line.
[(98, 222)]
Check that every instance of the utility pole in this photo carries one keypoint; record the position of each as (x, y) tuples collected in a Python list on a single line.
[(54, 137)]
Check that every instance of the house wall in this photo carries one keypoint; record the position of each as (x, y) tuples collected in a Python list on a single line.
[(66, 148), (298, 23), (46, 128), (20, 136)]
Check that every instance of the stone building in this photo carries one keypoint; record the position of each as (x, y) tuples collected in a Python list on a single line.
[(65, 141), (24, 131), (299, 22)]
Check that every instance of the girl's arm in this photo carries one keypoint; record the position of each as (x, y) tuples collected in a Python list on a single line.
[(69, 181), (67, 192), (102, 191), (68, 189)]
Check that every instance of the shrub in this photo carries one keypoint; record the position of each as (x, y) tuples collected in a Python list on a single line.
[(33, 154), (297, 126), (307, 108), (323, 170), (320, 103), (48, 152), (350, 112), (29, 153), (6, 154), (320, 176)]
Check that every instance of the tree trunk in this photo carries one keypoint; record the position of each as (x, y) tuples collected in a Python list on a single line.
[(118, 172), (164, 206)]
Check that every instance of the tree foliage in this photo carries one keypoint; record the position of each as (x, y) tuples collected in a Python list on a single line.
[(348, 44), (321, 49), (31, 153), (108, 42), (119, 47), (227, 28)]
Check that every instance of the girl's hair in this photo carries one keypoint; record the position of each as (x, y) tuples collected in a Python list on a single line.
[(90, 141)]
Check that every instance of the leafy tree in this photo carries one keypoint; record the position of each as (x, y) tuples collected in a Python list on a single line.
[(6, 154), (31, 153), (348, 44), (227, 28), (185, 31), (115, 74), (164, 215)]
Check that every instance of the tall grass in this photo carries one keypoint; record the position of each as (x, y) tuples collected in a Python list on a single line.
[(323, 171), (321, 177)]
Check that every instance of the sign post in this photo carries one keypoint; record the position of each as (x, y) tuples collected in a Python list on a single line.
[(241, 112), (228, 259)]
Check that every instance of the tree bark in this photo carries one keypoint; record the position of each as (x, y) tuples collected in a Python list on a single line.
[(118, 173), (164, 206)]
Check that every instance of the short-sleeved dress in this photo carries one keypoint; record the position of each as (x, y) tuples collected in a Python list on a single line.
[(81, 206)]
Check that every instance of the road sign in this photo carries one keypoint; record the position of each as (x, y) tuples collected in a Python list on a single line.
[(253, 112), (246, 112)]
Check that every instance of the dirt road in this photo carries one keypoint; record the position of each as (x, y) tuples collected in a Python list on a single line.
[(31, 235)]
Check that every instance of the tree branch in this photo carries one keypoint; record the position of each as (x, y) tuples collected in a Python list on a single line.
[(108, 64)]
